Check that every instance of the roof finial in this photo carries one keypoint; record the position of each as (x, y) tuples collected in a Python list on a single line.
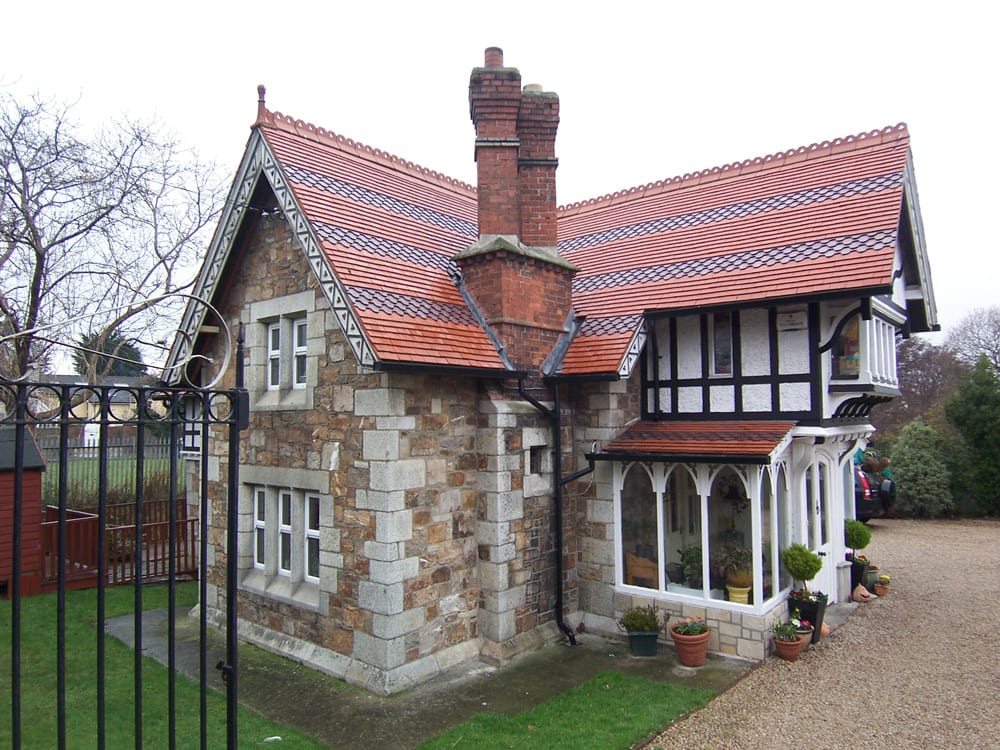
[(261, 106)]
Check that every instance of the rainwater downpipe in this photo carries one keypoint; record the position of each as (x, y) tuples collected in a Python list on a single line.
[(554, 416)]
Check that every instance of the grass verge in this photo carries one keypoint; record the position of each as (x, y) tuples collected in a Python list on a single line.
[(611, 711), (39, 694)]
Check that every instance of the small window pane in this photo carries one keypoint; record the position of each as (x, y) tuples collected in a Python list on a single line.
[(722, 344), (286, 551), (312, 557), (259, 550), (314, 513), (300, 369)]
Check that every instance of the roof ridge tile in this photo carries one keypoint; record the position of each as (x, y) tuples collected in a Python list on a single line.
[(843, 144), (308, 130)]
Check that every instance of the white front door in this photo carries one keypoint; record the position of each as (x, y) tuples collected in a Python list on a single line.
[(819, 484)]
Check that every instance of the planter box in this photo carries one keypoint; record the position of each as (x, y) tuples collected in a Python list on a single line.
[(642, 644), (812, 611)]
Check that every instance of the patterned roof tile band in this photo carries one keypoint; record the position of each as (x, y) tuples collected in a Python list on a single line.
[(752, 259), (609, 326), (390, 303), (385, 247), (380, 200), (737, 210)]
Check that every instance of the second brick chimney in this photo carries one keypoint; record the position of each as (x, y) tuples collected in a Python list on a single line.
[(514, 273)]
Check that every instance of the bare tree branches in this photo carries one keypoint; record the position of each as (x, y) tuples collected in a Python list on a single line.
[(976, 335), (92, 227)]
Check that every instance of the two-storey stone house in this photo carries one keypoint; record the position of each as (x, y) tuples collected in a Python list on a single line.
[(479, 419)]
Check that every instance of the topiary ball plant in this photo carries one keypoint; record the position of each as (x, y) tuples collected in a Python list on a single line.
[(856, 535), (801, 563)]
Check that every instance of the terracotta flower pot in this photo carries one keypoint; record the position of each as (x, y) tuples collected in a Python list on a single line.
[(881, 590), (691, 649), (789, 650)]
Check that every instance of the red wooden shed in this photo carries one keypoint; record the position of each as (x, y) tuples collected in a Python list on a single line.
[(31, 514)]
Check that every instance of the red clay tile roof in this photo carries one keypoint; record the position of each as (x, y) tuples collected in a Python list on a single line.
[(388, 230), (751, 441), (811, 221)]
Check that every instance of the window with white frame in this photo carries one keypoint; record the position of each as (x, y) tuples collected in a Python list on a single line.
[(310, 552), (300, 353), (286, 532), (273, 356), (259, 527), (285, 332), (683, 537)]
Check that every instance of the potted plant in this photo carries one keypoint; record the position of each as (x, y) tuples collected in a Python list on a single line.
[(882, 585), (643, 626), (803, 564), (802, 625), (691, 641), (857, 536), (738, 562), (788, 644), (691, 560)]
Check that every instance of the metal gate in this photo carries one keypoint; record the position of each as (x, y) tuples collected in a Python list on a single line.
[(101, 532)]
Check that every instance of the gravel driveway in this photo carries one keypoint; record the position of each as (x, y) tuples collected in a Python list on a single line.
[(917, 668)]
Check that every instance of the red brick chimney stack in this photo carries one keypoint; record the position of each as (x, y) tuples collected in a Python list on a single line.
[(514, 274), (494, 100), (537, 122)]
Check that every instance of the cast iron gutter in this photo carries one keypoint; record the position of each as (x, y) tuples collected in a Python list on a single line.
[(555, 419)]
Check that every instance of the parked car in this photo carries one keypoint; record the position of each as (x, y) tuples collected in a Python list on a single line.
[(873, 495)]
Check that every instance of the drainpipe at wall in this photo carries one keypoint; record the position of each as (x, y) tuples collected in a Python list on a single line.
[(554, 416)]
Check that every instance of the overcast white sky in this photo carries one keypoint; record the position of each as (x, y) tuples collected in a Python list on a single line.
[(647, 90)]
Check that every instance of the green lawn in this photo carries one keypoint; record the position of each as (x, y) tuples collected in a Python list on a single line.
[(39, 680), (612, 711)]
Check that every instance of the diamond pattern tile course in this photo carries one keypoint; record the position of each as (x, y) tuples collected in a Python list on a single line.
[(388, 230), (817, 220)]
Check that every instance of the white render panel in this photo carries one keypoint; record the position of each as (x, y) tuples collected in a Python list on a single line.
[(754, 343), (794, 397), (793, 352), (664, 404), (757, 397), (722, 398), (689, 399), (689, 347)]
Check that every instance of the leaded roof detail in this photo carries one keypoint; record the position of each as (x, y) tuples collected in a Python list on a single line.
[(380, 200), (378, 300), (384, 246), (826, 247), (890, 181)]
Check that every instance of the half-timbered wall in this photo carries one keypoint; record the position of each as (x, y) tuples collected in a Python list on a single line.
[(754, 363)]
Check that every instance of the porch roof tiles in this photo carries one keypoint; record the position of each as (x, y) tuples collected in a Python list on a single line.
[(753, 442)]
